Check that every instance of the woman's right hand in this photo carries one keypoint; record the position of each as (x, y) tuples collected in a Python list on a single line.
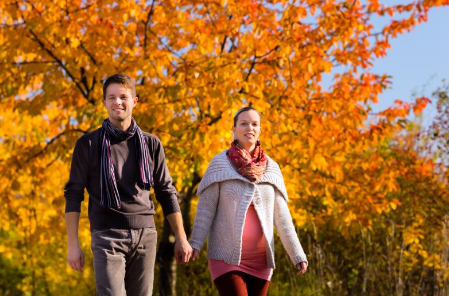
[(195, 254), (302, 267)]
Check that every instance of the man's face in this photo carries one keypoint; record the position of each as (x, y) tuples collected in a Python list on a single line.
[(119, 103)]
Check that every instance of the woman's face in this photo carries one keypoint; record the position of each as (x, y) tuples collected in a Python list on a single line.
[(247, 129)]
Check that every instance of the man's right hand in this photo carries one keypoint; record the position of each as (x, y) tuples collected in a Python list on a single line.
[(75, 258)]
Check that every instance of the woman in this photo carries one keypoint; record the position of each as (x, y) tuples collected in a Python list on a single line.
[(242, 194)]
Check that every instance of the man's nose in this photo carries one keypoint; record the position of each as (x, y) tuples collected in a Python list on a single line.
[(117, 100)]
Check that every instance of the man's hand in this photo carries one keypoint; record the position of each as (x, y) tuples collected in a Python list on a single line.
[(183, 251), (75, 258), (302, 267)]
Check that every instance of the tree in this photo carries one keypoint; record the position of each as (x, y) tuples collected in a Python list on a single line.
[(196, 63)]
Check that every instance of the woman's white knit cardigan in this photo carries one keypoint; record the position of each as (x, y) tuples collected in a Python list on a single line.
[(225, 196)]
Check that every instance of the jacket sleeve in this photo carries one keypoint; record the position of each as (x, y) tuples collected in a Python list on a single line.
[(205, 214), (79, 171), (164, 190), (286, 230)]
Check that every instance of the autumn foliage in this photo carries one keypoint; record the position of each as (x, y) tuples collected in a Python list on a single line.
[(368, 202)]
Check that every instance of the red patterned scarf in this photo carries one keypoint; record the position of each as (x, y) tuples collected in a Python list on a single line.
[(250, 165)]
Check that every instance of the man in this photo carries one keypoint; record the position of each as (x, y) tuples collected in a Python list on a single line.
[(118, 164)]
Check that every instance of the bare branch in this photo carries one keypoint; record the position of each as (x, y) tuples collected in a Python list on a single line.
[(149, 16), (53, 140), (210, 16), (92, 58), (12, 25), (29, 63), (223, 44), (164, 45), (268, 53), (84, 92), (82, 8), (253, 63), (214, 120)]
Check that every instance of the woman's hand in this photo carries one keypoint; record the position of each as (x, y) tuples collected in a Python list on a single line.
[(302, 267), (195, 254)]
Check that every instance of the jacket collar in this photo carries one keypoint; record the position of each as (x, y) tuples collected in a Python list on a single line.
[(220, 169)]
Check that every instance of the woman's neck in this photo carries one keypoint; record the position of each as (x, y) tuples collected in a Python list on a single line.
[(250, 149)]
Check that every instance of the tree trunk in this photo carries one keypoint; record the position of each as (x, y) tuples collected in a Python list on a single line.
[(187, 203), (167, 263)]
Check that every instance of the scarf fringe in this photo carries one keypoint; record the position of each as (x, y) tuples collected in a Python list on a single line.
[(110, 196)]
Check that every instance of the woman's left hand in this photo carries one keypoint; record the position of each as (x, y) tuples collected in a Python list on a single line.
[(302, 267)]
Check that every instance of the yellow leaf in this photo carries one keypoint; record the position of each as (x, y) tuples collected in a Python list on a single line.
[(393, 205)]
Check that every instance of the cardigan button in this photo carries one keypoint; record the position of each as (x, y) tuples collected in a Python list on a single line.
[(257, 201)]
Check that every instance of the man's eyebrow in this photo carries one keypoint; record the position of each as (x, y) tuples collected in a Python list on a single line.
[(121, 95)]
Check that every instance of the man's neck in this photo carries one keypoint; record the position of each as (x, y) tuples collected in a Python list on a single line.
[(121, 125)]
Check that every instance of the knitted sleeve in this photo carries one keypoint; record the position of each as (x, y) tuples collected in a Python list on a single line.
[(205, 214), (284, 226)]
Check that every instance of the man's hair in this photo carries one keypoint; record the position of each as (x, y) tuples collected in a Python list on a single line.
[(121, 79), (244, 109)]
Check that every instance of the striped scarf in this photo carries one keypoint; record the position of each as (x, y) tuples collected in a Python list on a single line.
[(250, 165), (108, 186)]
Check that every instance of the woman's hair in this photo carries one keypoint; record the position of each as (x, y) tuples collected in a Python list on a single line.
[(244, 109)]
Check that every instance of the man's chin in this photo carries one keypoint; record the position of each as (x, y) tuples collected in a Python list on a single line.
[(117, 118)]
